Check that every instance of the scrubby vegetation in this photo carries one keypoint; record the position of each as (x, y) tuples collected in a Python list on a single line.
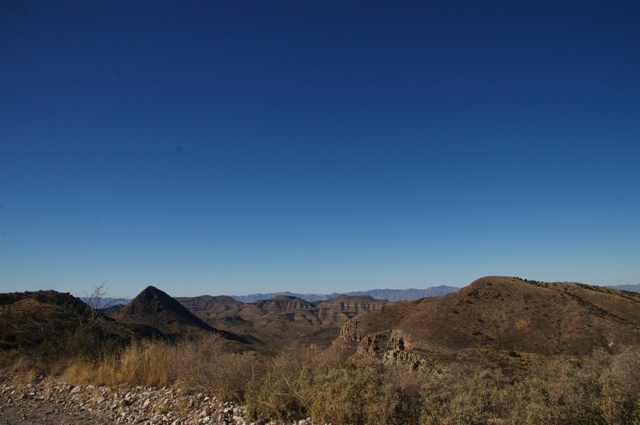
[(601, 388), (560, 354)]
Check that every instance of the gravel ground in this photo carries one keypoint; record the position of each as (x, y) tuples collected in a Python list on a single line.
[(29, 412), (50, 403)]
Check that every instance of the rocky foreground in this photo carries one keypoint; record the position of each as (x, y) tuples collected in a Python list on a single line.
[(47, 403)]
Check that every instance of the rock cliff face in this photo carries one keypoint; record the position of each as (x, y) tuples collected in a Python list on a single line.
[(382, 342), (351, 331), (391, 346), (285, 303), (343, 307)]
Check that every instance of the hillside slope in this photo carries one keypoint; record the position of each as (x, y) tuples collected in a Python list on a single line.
[(156, 308), (59, 324), (504, 313), (283, 319)]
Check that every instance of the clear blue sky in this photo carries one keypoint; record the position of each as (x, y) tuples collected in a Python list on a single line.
[(230, 147)]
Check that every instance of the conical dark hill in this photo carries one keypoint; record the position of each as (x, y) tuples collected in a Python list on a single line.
[(156, 308)]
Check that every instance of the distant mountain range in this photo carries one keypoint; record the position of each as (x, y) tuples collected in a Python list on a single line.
[(390, 295), (631, 288), (493, 313), (283, 319)]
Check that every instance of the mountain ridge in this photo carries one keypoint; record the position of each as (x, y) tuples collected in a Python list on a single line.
[(390, 295), (154, 307), (282, 319), (502, 314)]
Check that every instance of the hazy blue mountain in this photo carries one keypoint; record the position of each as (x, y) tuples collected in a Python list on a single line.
[(407, 294), (105, 302), (251, 298), (381, 294), (632, 288)]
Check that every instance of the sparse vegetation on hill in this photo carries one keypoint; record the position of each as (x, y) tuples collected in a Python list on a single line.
[(39, 329), (423, 362), (503, 313), (153, 307), (283, 319)]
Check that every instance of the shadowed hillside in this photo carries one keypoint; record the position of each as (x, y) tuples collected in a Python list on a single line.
[(57, 324), (503, 313), (156, 308)]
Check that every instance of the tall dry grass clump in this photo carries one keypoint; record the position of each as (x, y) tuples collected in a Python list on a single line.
[(141, 363), (203, 365), (282, 389), (208, 365)]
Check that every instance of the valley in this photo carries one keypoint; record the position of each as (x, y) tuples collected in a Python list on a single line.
[(351, 358)]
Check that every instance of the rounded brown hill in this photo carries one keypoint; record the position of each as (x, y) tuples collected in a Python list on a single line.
[(508, 313)]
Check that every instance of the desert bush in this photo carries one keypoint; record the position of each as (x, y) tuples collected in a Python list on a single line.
[(281, 391), (207, 365), (463, 393), (598, 390), (300, 383), (620, 400), (356, 393)]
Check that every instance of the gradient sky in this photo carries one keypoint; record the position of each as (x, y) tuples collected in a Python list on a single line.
[(231, 147)]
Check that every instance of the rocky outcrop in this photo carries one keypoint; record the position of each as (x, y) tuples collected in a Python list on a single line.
[(391, 346), (351, 331), (343, 308), (382, 342)]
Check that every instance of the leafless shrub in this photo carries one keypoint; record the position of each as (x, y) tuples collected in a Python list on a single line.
[(207, 365)]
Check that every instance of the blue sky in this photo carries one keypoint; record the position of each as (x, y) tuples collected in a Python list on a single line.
[(226, 147)]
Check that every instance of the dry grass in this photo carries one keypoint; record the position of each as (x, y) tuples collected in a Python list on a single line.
[(142, 363), (597, 389), (204, 365), (600, 389)]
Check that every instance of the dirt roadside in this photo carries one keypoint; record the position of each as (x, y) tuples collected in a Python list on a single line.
[(30, 412)]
